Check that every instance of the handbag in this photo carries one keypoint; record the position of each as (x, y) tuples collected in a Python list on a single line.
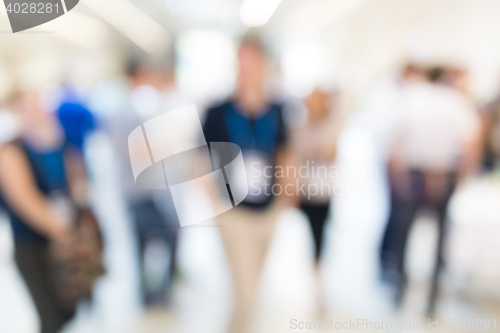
[(76, 264)]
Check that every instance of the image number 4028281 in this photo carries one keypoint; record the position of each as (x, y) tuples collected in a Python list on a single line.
[(26, 14)]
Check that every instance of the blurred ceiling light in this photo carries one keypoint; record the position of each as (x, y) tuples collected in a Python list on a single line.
[(317, 14), (80, 29), (256, 13), (133, 23), (420, 44)]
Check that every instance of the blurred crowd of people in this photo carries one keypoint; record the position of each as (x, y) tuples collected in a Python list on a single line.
[(437, 139)]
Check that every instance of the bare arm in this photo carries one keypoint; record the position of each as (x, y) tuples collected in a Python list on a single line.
[(472, 146), (328, 148), (19, 189), (329, 151), (77, 177), (286, 158), (471, 157)]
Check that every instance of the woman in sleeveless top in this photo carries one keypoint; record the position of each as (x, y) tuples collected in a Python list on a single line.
[(32, 174), (315, 145)]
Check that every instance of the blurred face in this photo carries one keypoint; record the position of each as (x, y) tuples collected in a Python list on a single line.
[(413, 74), (317, 104), (149, 77), (31, 109), (36, 120), (252, 67)]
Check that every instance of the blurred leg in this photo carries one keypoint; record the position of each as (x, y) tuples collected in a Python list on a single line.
[(441, 208), (173, 237), (155, 244), (165, 205), (394, 243), (31, 262), (246, 235), (396, 234), (316, 214), (439, 263)]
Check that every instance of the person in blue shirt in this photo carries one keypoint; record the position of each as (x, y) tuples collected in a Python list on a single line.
[(76, 119), (256, 125)]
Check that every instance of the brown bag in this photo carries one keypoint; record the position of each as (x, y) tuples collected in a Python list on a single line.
[(76, 264)]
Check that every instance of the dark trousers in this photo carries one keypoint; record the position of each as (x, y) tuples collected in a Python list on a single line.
[(31, 259), (402, 213), (151, 226), (317, 214)]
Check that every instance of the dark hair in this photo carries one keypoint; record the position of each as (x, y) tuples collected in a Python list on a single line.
[(253, 40), (133, 66), (436, 74), (160, 64)]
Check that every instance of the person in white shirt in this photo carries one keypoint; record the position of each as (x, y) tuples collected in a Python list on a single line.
[(434, 146)]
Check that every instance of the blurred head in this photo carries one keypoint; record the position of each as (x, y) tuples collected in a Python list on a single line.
[(252, 64), (28, 105), (412, 73), (317, 104), (34, 116), (156, 72)]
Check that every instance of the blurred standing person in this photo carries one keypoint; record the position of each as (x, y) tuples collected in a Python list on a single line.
[(155, 223), (256, 125), (38, 177), (315, 146), (491, 122), (433, 150)]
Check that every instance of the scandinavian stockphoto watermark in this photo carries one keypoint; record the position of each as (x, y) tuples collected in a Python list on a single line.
[(309, 180), (27, 14), (371, 325), (168, 152), (356, 324)]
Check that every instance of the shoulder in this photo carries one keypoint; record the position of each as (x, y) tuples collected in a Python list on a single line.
[(11, 147), (214, 127), (218, 108), (215, 114), (12, 154), (459, 100)]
